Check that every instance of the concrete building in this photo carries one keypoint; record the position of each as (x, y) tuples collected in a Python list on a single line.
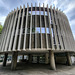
[(37, 31)]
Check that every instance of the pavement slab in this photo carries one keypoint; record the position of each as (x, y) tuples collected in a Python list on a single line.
[(36, 69)]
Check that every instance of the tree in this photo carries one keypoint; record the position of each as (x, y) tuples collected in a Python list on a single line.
[(1, 27)]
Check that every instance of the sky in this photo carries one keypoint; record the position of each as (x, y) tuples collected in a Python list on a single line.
[(67, 6)]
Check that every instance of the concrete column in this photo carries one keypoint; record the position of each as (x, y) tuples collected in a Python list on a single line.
[(46, 58), (69, 61), (30, 58), (14, 60), (5, 59), (52, 60)]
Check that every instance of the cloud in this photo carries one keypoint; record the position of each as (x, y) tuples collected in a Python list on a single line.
[(74, 36), (67, 6), (55, 2), (2, 4), (2, 19), (72, 22), (45, 2), (72, 25)]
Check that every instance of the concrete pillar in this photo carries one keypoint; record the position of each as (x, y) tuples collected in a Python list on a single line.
[(14, 60), (30, 58), (46, 58), (69, 61), (52, 60), (5, 59)]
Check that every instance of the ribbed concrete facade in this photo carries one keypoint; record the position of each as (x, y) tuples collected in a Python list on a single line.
[(40, 29)]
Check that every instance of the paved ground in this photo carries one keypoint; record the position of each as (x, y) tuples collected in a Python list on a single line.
[(36, 69)]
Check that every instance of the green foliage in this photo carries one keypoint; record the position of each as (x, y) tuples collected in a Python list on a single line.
[(29, 13), (33, 29), (1, 27)]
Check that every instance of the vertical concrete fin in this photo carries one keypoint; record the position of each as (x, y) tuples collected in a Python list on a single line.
[(24, 45), (64, 32), (13, 31), (52, 44), (54, 7), (45, 26), (17, 32), (51, 6), (35, 27), (9, 33), (2, 34), (6, 34), (30, 28), (40, 25), (6, 27), (58, 32), (54, 28), (14, 9), (57, 9), (61, 28), (21, 30), (20, 7)]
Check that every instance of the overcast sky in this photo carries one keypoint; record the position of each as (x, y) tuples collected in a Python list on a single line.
[(67, 6)]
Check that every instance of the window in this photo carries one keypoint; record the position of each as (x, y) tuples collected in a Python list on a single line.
[(52, 31), (37, 29), (42, 30), (37, 12), (47, 30)]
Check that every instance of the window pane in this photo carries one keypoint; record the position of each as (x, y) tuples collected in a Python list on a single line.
[(47, 30), (37, 29), (42, 30), (45, 13), (52, 31), (37, 12), (42, 13)]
